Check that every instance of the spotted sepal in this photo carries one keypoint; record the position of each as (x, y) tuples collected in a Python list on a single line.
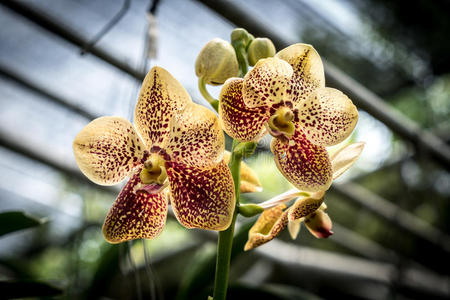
[(202, 197), (135, 214), (160, 96), (305, 165), (107, 149)]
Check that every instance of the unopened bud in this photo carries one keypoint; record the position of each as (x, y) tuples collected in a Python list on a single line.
[(216, 62), (260, 48), (240, 35), (319, 224)]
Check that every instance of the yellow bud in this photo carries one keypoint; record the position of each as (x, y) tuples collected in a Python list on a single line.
[(241, 35), (260, 48), (216, 62)]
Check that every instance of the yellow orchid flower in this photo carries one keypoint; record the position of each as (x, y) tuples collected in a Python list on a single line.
[(308, 207), (286, 96), (174, 143)]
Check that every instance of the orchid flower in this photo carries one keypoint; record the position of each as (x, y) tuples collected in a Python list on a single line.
[(286, 96), (308, 207), (174, 145)]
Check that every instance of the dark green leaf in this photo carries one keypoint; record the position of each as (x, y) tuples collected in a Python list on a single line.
[(23, 289), (16, 220)]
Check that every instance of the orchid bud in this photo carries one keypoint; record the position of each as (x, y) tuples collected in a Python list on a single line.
[(216, 62), (240, 35), (319, 224), (260, 48)]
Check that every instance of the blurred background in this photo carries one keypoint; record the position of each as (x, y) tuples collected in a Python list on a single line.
[(63, 63)]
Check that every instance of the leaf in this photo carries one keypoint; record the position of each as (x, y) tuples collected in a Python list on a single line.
[(21, 289), (16, 220)]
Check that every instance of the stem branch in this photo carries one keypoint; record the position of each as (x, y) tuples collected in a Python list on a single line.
[(225, 242)]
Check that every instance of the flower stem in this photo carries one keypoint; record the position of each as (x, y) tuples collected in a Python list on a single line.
[(202, 87), (225, 242)]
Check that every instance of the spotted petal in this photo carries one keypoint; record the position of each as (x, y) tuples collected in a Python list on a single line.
[(202, 197), (305, 206), (196, 138), (135, 214), (160, 96), (267, 83), (328, 117), (308, 70), (269, 224), (107, 150), (305, 165), (345, 157), (238, 120)]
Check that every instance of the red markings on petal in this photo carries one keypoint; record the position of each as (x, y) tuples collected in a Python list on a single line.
[(238, 120), (328, 117), (202, 197), (160, 96), (305, 165), (135, 214)]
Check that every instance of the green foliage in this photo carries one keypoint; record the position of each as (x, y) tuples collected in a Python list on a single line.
[(16, 220)]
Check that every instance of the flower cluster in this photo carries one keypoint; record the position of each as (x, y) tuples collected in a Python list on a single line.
[(175, 151)]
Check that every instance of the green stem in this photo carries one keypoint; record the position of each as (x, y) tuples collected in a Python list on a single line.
[(225, 242), (202, 87), (241, 55)]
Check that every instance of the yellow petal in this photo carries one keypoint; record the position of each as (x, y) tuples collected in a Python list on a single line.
[(305, 206), (160, 96), (305, 165), (195, 137), (249, 180), (267, 83), (135, 214), (238, 120), (344, 158), (328, 117), (202, 197), (308, 70), (294, 228), (107, 149), (269, 224)]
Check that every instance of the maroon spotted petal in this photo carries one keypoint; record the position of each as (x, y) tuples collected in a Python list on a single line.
[(135, 214)]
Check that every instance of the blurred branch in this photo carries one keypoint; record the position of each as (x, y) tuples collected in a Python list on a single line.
[(47, 95), (70, 35), (361, 96)]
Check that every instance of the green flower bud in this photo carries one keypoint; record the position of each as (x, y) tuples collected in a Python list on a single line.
[(216, 62), (260, 48), (240, 35)]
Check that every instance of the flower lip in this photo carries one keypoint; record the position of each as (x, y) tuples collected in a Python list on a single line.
[(280, 124), (154, 171)]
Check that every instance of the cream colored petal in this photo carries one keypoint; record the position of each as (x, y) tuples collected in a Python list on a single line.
[(107, 150), (249, 180), (196, 138), (267, 83), (294, 228), (160, 96), (328, 117), (344, 158), (308, 70), (269, 224)]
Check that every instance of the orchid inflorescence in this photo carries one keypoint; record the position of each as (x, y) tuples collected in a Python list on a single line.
[(175, 151)]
